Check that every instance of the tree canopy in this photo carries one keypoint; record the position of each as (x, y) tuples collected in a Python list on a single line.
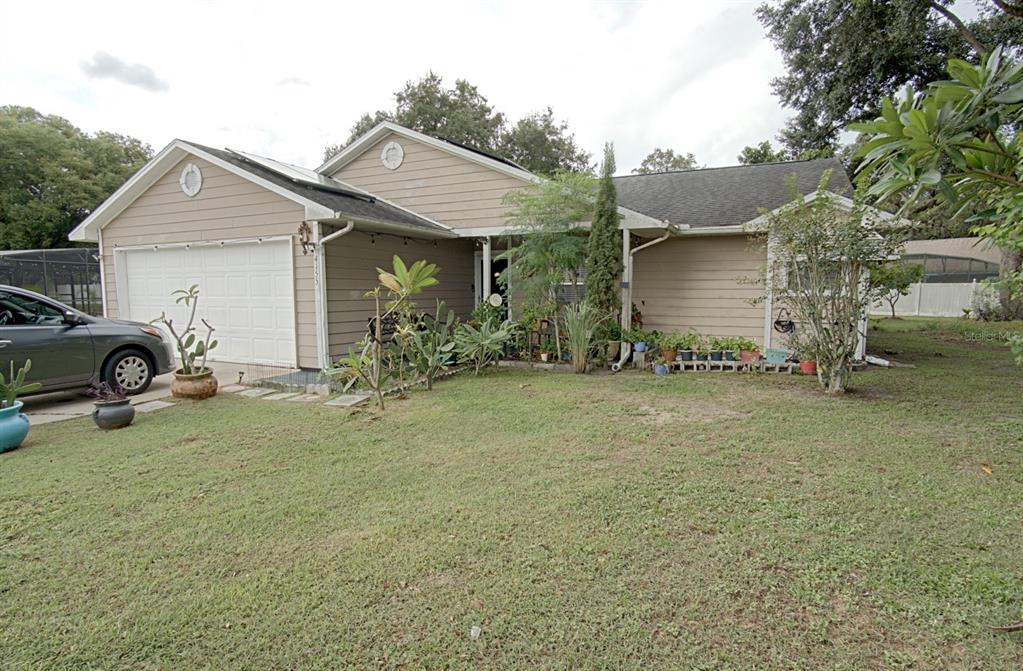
[(841, 58), (761, 153), (665, 160), (537, 142), (52, 175)]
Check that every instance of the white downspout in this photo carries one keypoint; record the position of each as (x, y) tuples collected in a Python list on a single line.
[(627, 290), (487, 278), (320, 288)]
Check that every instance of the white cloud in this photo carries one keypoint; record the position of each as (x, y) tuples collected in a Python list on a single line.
[(284, 80), (106, 66)]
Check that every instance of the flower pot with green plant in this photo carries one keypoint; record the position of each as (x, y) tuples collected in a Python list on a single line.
[(112, 408), (14, 424), (547, 350), (718, 345), (670, 343), (688, 345), (639, 338), (730, 348), (193, 380), (749, 351), (612, 334), (660, 366)]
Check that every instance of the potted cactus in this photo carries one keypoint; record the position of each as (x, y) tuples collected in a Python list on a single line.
[(112, 409), (14, 424), (192, 380)]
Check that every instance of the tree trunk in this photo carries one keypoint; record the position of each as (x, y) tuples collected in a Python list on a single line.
[(834, 376), (1010, 263)]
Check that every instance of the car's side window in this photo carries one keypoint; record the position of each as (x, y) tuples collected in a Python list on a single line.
[(19, 310)]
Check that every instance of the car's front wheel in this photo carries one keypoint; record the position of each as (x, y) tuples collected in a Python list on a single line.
[(129, 369)]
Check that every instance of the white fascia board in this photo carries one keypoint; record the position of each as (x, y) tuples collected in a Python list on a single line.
[(381, 130), (371, 225), (873, 214), (632, 219), (146, 176), (156, 168)]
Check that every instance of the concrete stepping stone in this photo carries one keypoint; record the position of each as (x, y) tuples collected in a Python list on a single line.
[(283, 396), (150, 406), (233, 388), (347, 400), (256, 392), (305, 398)]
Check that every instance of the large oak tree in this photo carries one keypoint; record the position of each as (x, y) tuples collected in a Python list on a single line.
[(842, 58), (52, 175), (537, 142)]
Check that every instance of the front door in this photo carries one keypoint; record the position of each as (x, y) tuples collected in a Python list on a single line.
[(61, 354)]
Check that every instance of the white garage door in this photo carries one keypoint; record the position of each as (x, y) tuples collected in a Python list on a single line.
[(246, 292)]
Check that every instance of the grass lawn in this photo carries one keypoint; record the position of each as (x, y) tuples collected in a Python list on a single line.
[(706, 521)]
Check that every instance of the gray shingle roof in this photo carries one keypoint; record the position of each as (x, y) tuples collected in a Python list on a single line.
[(725, 196), (355, 204)]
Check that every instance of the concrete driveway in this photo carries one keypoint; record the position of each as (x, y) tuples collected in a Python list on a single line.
[(61, 405)]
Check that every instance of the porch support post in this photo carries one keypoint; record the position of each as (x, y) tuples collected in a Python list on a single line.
[(864, 320), (487, 271), (626, 283)]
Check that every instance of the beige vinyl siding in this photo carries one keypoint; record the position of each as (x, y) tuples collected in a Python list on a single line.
[(351, 262), (697, 282), (446, 188), (228, 207)]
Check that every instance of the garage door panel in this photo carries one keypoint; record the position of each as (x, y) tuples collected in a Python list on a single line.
[(246, 293)]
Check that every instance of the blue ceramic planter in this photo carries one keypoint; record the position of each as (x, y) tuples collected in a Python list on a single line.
[(640, 346), (13, 427), (660, 369)]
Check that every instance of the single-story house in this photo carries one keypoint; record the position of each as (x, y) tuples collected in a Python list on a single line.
[(283, 255)]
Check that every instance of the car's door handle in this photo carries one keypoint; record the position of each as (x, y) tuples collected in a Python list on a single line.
[(5, 343)]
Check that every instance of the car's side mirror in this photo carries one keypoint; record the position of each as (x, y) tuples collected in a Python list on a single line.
[(72, 318)]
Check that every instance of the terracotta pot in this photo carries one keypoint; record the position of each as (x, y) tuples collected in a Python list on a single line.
[(668, 353), (808, 367), (747, 356), (195, 387), (113, 414)]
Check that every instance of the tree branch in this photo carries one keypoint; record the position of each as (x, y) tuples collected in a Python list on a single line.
[(961, 27), (1009, 8)]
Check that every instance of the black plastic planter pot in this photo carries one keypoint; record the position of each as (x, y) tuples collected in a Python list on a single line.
[(729, 356), (113, 414), (716, 356), (686, 355)]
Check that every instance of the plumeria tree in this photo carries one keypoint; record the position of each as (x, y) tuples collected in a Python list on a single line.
[(391, 298), (960, 140)]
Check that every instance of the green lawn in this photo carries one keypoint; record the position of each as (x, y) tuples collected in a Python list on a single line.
[(705, 521)]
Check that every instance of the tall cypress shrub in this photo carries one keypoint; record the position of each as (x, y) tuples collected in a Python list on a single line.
[(604, 257)]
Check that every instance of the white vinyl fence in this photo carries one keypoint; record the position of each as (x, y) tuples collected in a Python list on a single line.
[(930, 299)]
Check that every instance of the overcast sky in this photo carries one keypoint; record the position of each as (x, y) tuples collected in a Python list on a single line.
[(286, 78)]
